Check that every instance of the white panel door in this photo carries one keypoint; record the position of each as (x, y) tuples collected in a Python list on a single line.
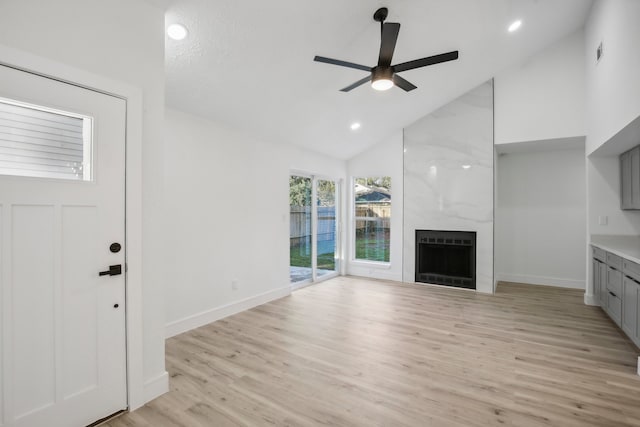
[(63, 360)]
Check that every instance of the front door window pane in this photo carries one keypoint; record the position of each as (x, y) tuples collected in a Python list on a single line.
[(40, 142)]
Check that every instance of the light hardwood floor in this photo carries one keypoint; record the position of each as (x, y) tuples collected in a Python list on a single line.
[(356, 352)]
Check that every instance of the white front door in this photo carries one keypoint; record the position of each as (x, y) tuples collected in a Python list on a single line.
[(62, 183)]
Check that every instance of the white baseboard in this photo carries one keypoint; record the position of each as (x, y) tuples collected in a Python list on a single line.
[(208, 316), (541, 280), (590, 300), (374, 273), (156, 387)]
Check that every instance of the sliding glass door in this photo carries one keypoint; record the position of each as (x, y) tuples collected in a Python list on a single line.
[(313, 225), (300, 231), (326, 228)]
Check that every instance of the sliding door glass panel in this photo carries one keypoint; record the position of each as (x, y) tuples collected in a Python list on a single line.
[(300, 249), (326, 228)]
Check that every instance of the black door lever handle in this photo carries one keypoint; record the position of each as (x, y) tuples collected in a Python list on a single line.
[(113, 270)]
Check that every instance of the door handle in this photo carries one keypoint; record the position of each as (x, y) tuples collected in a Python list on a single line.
[(113, 270)]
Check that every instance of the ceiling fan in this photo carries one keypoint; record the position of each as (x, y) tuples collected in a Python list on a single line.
[(384, 76)]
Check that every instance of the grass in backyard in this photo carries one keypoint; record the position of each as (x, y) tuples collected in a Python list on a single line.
[(369, 249), (297, 258), (372, 249)]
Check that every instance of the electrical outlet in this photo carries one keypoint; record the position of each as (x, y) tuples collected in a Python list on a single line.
[(603, 220), (234, 284)]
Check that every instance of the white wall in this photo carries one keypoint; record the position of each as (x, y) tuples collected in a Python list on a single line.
[(543, 97), (384, 159), (540, 218), (613, 86), (227, 200), (603, 175), (121, 40)]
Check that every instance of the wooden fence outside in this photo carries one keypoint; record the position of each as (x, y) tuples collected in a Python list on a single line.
[(300, 227)]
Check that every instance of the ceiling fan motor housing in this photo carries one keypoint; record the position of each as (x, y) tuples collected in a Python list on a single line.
[(381, 73)]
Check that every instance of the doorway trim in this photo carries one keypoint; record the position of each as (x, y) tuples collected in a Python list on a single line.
[(138, 393)]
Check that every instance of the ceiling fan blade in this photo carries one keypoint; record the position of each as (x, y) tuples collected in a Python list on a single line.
[(356, 84), (390, 32), (430, 60), (341, 63), (403, 84)]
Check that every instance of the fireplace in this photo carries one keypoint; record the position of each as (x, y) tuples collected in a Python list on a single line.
[(446, 258)]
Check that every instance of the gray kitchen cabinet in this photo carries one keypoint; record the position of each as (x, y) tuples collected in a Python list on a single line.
[(597, 279), (599, 254), (630, 179), (616, 287), (630, 289), (635, 178), (636, 338), (625, 180), (614, 297), (602, 296), (600, 283)]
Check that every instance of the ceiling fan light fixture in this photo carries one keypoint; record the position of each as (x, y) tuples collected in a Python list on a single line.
[(382, 84), (382, 78)]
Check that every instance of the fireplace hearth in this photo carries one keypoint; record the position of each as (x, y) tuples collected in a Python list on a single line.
[(446, 258)]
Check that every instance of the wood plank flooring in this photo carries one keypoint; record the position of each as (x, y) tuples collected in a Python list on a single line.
[(358, 352)]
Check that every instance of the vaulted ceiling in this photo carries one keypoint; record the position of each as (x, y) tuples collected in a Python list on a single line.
[(249, 64)]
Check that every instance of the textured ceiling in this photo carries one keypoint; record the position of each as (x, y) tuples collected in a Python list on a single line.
[(249, 64)]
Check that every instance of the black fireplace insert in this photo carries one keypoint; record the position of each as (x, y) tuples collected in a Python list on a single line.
[(446, 258)]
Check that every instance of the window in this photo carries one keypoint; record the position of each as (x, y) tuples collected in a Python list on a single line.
[(372, 218), (41, 142)]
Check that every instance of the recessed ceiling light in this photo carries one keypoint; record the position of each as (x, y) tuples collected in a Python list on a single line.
[(177, 31), (466, 166), (355, 126), (515, 25)]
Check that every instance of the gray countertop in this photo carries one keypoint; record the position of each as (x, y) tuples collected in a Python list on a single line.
[(625, 246)]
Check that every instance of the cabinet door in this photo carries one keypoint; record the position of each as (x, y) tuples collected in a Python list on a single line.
[(635, 177), (636, 337), (625, 181), (629, 306), (602, 268), (595, 279), (614, 281)]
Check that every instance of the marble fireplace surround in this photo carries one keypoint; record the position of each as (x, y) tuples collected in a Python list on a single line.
[(448, 178)]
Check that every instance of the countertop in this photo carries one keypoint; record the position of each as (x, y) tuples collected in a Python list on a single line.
[(625, 246)]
